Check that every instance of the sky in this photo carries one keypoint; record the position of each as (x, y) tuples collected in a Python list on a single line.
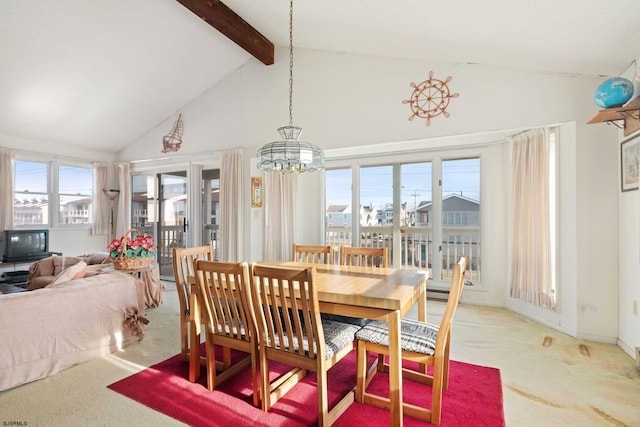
[(32, 176), (376, 183)]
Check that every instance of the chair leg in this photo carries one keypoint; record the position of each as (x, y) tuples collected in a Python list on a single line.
[(436, 390), (445, 368), (184, 340), (254, 377), (381, 367), (211, 365), (323, 405), (361, 370), (226, 358), (265, 387)]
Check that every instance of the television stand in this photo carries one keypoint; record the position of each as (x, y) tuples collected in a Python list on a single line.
[(15, 277), (6, 288)]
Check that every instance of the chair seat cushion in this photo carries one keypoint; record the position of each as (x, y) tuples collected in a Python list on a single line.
[(337, 336), (418, 337)]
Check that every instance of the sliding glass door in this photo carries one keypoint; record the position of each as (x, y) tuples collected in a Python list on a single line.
[(426, 213), (210, 190), (159, 208)]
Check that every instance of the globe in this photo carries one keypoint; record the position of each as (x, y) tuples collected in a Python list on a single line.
[(613, 92)]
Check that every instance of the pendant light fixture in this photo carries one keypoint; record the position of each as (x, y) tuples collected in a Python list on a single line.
[(289, 154)]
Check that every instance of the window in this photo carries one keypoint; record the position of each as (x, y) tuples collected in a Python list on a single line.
[(75, 191), (426, 213), (31, 193), (376, 192), (47, 193), (461, 193), (210, 187)]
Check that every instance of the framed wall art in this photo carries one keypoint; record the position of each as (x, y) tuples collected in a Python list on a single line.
[(629, 163), (256, 192)]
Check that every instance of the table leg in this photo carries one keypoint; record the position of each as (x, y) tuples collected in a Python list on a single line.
[(422, 305), (194, 338), (395, 369)]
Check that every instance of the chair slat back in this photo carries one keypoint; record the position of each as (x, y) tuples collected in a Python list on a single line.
[(183, 267), (287, 312), (312, 254), (365, 257), (224, 298)]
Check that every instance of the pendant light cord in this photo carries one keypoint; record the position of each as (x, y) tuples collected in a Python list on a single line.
[(290, 62)]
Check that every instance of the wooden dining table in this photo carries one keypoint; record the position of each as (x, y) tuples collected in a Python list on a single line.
[(367, 292)]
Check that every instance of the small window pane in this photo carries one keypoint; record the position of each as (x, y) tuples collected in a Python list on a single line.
[(461, 208), (338, 202), (31, 177), (31, 200), (376, 192), (75, 187), (75, 180)]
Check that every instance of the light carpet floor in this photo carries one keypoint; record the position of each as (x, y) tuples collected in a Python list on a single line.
[(549, 379)]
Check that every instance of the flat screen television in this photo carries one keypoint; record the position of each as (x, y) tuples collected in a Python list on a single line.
[(25, 245)]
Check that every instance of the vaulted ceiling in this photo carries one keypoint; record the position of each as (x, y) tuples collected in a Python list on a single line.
[(102, 73)]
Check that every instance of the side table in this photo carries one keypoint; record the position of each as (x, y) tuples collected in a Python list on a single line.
[(137, 272), (149, 285)]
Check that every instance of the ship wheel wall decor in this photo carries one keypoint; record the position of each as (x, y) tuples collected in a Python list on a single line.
[(173, 140), (430, 98)]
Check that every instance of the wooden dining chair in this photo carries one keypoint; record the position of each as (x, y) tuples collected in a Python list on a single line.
[(291, 331), (227, 312), (366, 257), (312, 254), (356, 256), (421, 342), (183, 268)]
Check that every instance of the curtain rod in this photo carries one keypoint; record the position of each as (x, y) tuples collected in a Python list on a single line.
[(189, 156), (54, 156)]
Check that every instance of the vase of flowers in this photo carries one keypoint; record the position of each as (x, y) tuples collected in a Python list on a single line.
[(132, 252)]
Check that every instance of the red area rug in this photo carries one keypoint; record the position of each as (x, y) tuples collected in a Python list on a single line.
[(474, 397)]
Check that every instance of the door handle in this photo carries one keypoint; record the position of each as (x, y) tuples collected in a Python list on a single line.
[(184, 224)]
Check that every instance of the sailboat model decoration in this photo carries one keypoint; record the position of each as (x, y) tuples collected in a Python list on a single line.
[(173, 140)]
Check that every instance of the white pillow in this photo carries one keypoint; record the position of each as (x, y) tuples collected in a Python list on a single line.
[(76, 271)]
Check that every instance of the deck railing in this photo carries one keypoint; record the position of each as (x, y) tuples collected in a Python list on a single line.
[(173, 236), (416, 246)]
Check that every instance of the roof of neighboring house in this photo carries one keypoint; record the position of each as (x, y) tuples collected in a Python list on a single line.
[(424, 205), (336, 208)]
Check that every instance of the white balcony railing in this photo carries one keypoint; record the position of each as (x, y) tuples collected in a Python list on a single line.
[(416, 246)]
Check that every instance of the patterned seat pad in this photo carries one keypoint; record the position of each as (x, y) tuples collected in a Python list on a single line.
[(416, 336)]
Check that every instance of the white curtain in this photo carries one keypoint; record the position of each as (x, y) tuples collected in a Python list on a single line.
[(7, 158), (530, 221), (231, 204), (280, 215), (101, 212), (123, 217)]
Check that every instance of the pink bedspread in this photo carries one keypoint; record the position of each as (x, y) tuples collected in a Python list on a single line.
[(50, 329)]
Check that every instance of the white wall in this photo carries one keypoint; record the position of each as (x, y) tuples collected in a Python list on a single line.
[(629, 248), (54, 149), (344, 100), (629, 211)]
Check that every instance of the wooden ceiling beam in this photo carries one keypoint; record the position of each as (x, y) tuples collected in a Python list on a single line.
[(225, 20)]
